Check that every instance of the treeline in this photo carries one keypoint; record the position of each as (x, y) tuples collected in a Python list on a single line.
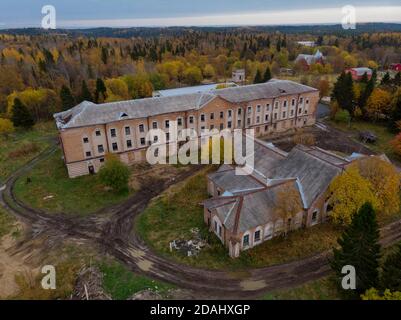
[(53, 72)]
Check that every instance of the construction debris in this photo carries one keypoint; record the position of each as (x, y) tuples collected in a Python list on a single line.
[(89, 285), (190, 247)]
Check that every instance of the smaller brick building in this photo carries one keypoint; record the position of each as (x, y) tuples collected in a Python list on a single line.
[(358, 73), (243, 211)]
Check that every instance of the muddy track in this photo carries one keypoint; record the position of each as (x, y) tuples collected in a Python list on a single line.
[(112, 230)]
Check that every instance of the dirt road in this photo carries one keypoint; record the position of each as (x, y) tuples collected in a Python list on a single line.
[(112, 230)]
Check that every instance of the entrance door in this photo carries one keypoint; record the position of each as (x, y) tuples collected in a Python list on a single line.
[(91, 169)]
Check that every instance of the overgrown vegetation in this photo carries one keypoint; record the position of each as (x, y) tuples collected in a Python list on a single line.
[(172, 215), (23, 145), (121, 283), (48, 187)]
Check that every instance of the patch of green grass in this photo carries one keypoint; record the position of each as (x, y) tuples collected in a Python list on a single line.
[(384, 136), (12, 156), (121, 283), (172, 215), (322, 289), (52, 190)]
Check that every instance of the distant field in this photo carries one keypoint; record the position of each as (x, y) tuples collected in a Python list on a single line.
[(22, 146)]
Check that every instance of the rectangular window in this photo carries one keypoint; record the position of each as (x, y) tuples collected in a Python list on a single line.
[(300, 111), (307, 101), (292, 113), (202, 117), (141, 128), (212, 116), (168, 136), (276, 105), (88, 153), (301, 100), (257, 236), (293, 102), (229, 113), (245, 242), (219, 231), (249, 110), (167, 123), (154, 125), (191, 119), (239, 123), (97, 133), (127, 131), (86, 140), (284, 114), (267, 107), (100, 148), (239, 111), (285, 103), (275, 116), (258, 108), (113, 132), (229, 125), (221, 114), (115, 146), (215, 226), (143, 141), (248, 121), (221, 126), (179, 121), (266, 117), (257, 119), (129, 144), (101, 160), (266, 128), (155, 138)]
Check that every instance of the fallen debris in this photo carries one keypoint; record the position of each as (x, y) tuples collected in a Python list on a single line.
[(89, 285), (190, 247)]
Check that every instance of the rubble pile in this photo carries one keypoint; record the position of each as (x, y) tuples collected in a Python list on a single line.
[(190, 247), (89, 285)]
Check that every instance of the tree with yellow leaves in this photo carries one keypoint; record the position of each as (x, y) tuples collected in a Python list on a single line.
[(6, 127), (287, 204), (385, 180), (348, 192), (379, 103)]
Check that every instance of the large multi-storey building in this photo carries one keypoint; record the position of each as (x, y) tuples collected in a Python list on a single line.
[(89, 131)]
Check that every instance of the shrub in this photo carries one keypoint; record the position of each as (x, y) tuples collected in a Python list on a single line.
[(114, 174), (342, 116)]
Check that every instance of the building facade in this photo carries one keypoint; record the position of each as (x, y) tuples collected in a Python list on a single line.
[(89, 131)]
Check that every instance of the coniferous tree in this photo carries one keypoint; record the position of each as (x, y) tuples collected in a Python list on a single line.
[(396, 114), (258, 77), (365, 94), (21, 117), (100, 90), (267, 76), (397, 79), (386, 79), (343, 92), (391, 271), (85, 93), (67, 99), (360, 248)]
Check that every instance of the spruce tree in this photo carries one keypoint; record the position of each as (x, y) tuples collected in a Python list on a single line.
[(386, 79), (365, 94), (343, 92), (258, 77), (397, 79), (267, 76), (360, 248), (67, 99), (21, 117), (100, 90), (391, 271), (85, 93), (396, 114)]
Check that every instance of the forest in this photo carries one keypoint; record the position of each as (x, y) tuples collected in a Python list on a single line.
[(50, 72)]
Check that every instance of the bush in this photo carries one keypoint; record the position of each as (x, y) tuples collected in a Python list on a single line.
[(342, 116), (114, 174)]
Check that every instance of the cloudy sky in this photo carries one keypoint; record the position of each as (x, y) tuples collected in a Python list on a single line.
[(122, 13)]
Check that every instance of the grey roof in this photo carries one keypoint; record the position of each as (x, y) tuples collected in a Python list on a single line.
[(362, 70), (314, 170), (190, 90), (88, 113), (229, 181)]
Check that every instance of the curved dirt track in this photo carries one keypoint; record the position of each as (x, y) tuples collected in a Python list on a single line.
[(112, 230)]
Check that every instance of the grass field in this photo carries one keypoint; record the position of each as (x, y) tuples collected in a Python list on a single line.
[(120, 283), (22, 146), (172, 215), (7, 223), (384, 136), (52, 190), (322, 289)]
